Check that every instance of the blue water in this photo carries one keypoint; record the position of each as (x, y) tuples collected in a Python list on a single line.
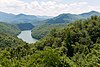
[(26, 36)]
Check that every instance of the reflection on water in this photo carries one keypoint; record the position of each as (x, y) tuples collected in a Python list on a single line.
[(26, 36)]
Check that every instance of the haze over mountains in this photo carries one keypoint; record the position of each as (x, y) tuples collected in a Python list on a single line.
[(21, 18), (37, 20)]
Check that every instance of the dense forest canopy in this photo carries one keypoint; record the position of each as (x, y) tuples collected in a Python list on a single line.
[(7, 40), (77, 45)]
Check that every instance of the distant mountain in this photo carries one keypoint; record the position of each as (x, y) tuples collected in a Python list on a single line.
[(66, 18), (45, 17), (4, 17), (21, 18), (89, 14), (62, 18), (40, 20)]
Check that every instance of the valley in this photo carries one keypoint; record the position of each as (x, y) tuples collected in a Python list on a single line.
[(56, 42), (49, 33)]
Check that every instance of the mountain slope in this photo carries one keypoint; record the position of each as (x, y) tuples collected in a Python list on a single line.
[(4, 17), (8, 28), (89, 14), (78, 45), (21, 18), (38, 20), (66, 18), (8, 36)]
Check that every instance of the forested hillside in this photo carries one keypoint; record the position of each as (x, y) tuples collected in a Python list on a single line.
[(39, 32), (8, 28), (77, 45), (60, 21), (25, 26), (8, 35)]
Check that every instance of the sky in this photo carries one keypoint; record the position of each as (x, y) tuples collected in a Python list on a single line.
[(49, 7)]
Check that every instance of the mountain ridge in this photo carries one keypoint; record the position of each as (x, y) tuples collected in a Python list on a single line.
[(38, 20), (68, 17), (21, 18)]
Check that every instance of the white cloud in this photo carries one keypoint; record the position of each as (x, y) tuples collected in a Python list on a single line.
[(51, 7), (94, 8)]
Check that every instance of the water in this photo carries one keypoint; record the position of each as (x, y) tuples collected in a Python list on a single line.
[(26, 36)]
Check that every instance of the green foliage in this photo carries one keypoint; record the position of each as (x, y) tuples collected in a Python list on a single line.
[(7, 40), (78, 45), (76, 41)]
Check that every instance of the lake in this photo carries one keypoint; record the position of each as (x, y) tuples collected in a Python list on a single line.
[(26, 36)]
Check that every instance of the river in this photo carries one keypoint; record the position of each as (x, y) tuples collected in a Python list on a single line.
[(26, 36)]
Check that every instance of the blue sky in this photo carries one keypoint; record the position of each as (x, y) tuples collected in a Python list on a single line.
[(49, 7)]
